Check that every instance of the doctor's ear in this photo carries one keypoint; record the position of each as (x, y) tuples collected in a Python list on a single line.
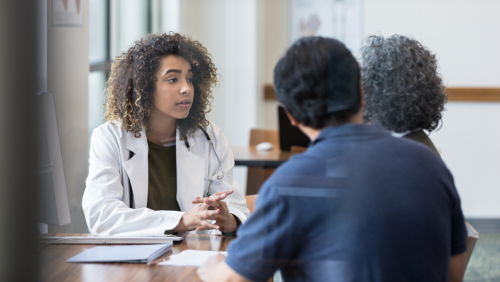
[(293, 121)]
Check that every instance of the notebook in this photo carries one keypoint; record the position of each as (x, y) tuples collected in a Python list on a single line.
[(130, 254)]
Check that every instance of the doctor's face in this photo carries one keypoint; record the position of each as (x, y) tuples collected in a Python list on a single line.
[(174, 92)]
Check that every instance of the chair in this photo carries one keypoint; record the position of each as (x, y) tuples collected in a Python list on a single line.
[(257, 175), (472, 237), (251, 202)]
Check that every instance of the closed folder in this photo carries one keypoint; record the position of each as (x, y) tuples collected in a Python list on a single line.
[(130, 254)]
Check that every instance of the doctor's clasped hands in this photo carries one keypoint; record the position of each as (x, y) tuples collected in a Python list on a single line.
[(209, 213)]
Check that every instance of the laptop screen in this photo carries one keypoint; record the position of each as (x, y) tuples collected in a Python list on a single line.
[(289, 134)]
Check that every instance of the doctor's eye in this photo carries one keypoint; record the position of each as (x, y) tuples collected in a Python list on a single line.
[(172, 80), (190, 80)]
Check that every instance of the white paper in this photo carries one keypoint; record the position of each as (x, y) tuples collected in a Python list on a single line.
[(190, 258)]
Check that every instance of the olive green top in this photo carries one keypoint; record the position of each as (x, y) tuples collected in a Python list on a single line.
[(421, 137), (162, 186)]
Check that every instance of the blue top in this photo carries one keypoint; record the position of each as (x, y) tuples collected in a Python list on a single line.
[(358, 205)]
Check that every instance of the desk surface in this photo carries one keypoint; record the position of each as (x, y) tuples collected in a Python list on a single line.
[(249, 156), (55, 268)]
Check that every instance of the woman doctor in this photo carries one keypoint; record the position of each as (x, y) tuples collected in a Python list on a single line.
[(152, 164)]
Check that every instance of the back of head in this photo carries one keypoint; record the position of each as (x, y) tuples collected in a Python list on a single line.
[(318, 82), (403, 89)]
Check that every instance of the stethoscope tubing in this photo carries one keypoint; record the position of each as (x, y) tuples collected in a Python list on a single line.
[(219, 177)]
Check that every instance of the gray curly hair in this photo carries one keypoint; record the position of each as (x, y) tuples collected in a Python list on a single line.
[(402, 86)]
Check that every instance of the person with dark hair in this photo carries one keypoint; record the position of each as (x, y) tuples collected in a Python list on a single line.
[(158, 165), (403, 90), (359, 204)]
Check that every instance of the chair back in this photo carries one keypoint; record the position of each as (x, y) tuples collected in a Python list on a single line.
[(258, 136), (472, 237), (251, 202), (257, 175)]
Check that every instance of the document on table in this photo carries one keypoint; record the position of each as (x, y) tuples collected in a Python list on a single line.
[(190, 258)]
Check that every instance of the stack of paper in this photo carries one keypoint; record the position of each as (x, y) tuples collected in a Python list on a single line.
[(190, 258), (132, 254)]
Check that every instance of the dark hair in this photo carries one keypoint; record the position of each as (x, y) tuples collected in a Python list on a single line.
[(318, 82), (131, 85), (403, 89)]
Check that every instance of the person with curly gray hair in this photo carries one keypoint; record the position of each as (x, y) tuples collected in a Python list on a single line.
[(403, 90)]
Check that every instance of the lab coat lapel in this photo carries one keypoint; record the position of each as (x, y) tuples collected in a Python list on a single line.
[(137, 168), (190, 173)]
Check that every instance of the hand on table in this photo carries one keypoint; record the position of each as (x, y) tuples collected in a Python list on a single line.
[(196, 219), (218, 211)]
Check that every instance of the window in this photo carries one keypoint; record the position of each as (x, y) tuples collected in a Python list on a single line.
[(114, 26)]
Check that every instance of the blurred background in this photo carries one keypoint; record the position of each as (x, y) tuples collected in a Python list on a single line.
[(246, 39)]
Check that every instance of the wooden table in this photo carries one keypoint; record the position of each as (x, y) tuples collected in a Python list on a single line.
[(261, 164), (55, 268), (249, 156)]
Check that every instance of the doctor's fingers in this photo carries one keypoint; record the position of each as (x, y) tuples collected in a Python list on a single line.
[(216, 197), (205, 225), (214, 203), (225, 193), (212, 214), (202, 200)]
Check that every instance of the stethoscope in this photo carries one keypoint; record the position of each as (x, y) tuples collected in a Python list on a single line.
[(219, 177)]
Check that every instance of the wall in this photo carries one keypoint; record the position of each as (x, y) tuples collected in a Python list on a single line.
[(67, 74), (276, 43), (463, 35), (233, 33), (469, 143)]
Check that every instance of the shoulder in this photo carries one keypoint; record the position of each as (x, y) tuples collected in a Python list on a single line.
[(418, 145), (108, 127), (213, 131), (421, 137), (109, 131)]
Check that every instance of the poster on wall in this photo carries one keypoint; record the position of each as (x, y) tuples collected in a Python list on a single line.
[(67, 13), (340, 19)]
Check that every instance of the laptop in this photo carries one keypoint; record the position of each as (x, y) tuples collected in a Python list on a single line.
[(289, 134)]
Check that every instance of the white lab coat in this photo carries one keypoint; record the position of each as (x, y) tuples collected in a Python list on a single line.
[(107, 198)]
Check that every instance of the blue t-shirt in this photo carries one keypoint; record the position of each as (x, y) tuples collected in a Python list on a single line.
[(358, 205)]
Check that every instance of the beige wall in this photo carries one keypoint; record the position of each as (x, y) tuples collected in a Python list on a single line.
[(233, 32), (67, 74), (276, 42)]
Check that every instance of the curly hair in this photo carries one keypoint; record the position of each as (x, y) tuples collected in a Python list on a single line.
[(402, 86), (131, 85)]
